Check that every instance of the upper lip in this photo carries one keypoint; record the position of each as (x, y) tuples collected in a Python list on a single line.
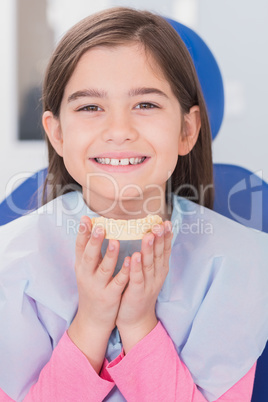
[(120, 155)]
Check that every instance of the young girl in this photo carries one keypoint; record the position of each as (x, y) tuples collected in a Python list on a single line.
[(178, 316)]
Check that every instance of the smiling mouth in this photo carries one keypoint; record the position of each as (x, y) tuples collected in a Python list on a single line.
[(120, 162)]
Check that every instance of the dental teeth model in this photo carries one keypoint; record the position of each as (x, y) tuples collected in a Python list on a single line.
[(132, 229)]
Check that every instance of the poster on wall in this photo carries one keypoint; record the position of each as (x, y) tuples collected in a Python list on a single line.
[(35, 42)]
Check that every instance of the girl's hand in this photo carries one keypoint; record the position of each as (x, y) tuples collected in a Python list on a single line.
[(99, 293), (148, 271)]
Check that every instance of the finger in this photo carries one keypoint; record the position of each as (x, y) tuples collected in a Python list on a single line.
[(92, 255), (121, 279), (107, 266), (82, 238), (136, 277), (158, 230), (147, 253), (168, 235)]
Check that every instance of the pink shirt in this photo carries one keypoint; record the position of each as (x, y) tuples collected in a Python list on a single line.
[(151, 371)]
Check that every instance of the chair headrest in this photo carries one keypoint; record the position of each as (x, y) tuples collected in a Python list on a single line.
[(208, 73)]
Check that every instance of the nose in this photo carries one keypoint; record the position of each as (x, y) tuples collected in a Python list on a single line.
[(119, 128)]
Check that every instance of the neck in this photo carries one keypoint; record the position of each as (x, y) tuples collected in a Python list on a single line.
[(131, 208)]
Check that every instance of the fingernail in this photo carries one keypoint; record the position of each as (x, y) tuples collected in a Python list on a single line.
[(111, 246), (151, 241), (82, 228), (138, 258), (168, 228), (126, 263), (83, 220), (158, 230), (98, 231)]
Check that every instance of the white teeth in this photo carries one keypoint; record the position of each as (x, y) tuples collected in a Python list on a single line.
[(116, 162)]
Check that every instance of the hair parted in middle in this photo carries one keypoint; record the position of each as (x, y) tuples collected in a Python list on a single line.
[(120, 26)]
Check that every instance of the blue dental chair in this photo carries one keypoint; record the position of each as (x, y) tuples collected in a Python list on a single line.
[(239, 194)]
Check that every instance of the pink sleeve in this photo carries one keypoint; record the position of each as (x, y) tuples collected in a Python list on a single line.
[(152, 368), (68, 376)]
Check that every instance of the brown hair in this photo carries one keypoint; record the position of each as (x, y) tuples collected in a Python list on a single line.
[(117, 26)]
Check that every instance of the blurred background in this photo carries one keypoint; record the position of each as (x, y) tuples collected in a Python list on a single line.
[(235, 31)]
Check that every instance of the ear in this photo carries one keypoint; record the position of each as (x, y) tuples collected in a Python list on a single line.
[(52, 128), (190, 131)]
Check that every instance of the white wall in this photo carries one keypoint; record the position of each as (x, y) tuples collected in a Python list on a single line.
[(237, 33)]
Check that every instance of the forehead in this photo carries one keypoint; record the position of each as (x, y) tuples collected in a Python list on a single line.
[(126, 62)]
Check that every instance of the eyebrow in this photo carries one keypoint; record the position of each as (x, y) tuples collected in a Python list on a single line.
[(96, 93), (146, 91)]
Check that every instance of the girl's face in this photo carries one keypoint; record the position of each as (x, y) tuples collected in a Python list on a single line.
[(120, 126)]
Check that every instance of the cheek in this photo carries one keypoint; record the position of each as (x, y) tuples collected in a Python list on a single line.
[(169, 165), (75, 142), (168, 144), (169, 154), (167, 132)]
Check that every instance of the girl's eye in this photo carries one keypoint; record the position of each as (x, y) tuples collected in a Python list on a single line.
[(89, 108), (146, 105)]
